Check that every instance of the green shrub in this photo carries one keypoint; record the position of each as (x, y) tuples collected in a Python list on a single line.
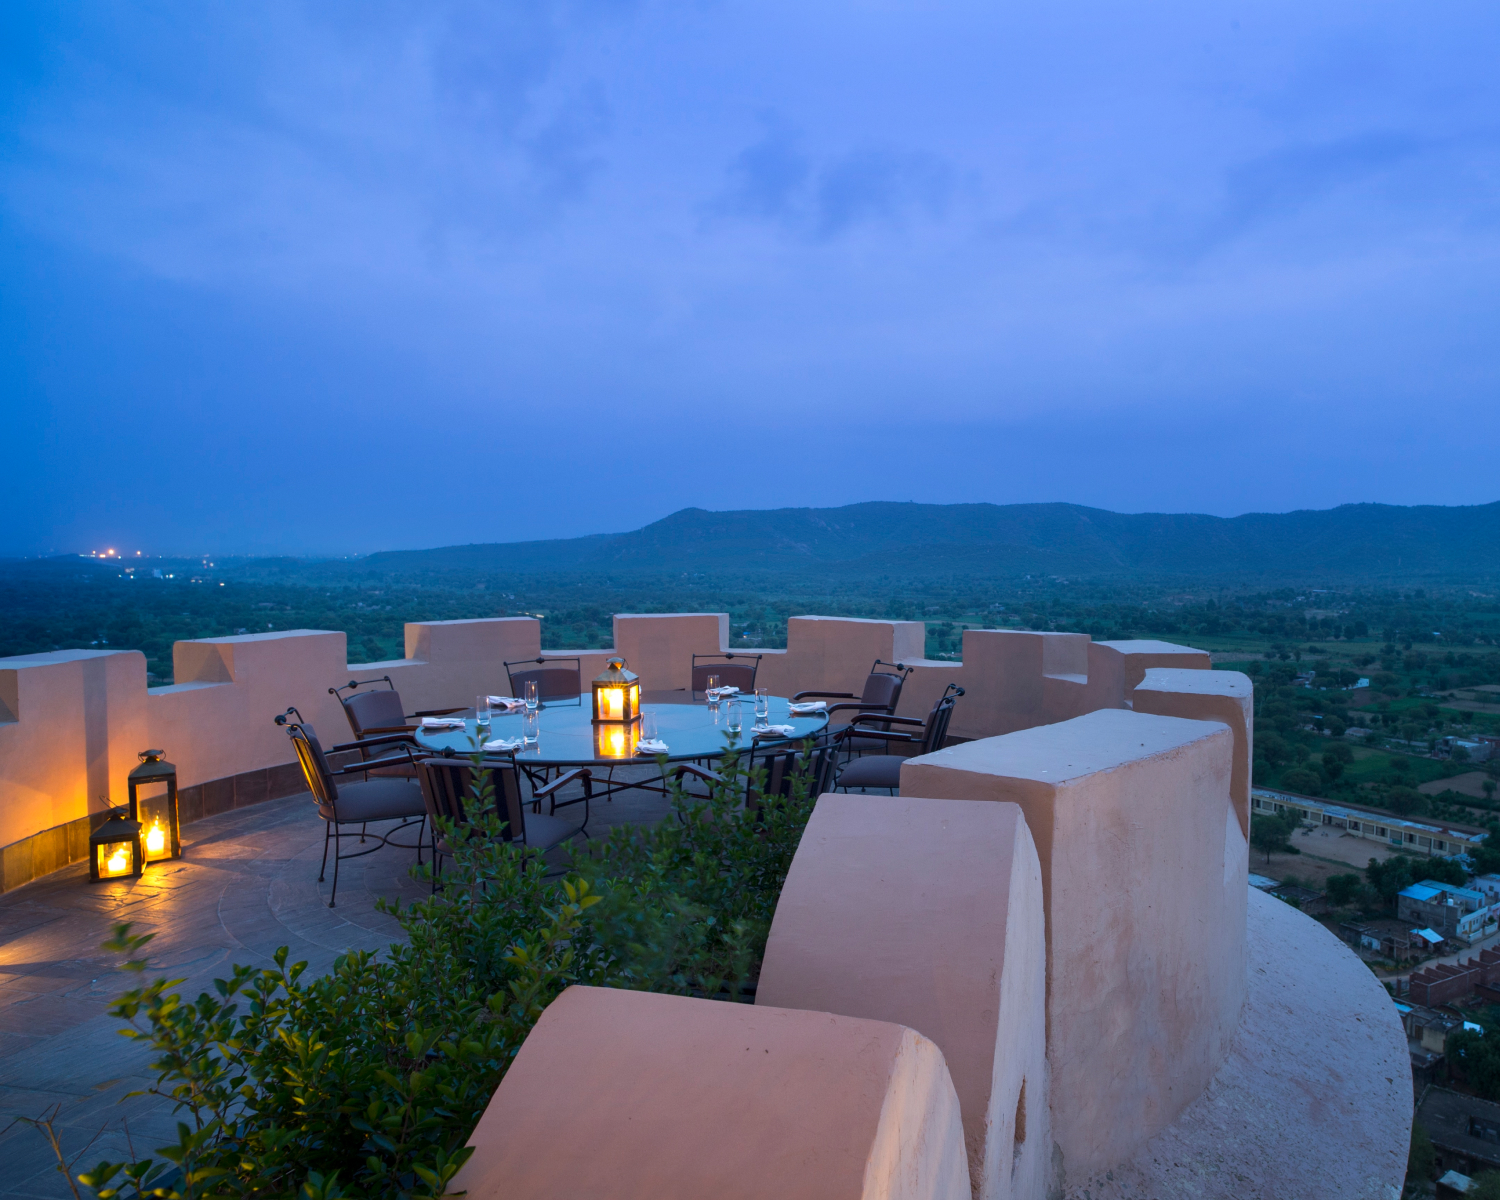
[(368, 1081)]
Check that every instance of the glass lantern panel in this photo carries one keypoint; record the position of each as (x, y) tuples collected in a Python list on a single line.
[(612, 704), (114, 859), (156, 826)]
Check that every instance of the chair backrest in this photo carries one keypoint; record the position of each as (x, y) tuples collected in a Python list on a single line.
[(373, 710), (936, 732), (784, 763), (314, 763), (883, 688), (733, 670), (555, 680), (447, 791)]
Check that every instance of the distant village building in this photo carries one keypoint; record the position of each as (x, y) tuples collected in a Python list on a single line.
[(1424, 836), (1438, 906), (1465, 1130)]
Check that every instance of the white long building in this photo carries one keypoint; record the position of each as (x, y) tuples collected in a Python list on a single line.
[(1418, 835)]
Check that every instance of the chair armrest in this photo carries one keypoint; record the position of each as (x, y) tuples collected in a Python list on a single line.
[(361, 768), (383, 740), (864, 708), (887, 719), (562, 781), (849, 731), (824, 696), (710, 777), (435, 712)]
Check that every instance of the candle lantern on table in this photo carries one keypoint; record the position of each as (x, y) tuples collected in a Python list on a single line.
[(161, 827), (115, 850), (617, 695)]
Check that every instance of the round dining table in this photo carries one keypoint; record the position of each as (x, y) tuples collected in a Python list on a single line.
[(692, 729)]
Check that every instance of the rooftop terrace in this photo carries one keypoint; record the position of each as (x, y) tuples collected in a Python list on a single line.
[(1112, 1015)]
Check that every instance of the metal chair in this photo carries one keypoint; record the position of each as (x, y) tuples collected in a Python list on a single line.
[(383, 798), (782, 763), (884, 770), (739, 674), (881, 694), (378, 718), (553, 682), (447, 791)]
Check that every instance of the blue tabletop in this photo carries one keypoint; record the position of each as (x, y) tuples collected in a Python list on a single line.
[(569, 737)]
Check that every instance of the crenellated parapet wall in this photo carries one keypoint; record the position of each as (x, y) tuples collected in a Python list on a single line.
[(71, 722)]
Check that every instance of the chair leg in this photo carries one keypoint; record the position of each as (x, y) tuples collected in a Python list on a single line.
[(333, 895), (327, 825), (362, 829)]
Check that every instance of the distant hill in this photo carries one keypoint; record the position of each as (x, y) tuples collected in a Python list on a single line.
[(1369, 541)]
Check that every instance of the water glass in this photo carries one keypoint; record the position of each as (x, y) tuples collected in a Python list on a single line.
[(732, 720), (532, 696), (531, 727), (711, 691), (762, 708), (481, 713), (650, 731)]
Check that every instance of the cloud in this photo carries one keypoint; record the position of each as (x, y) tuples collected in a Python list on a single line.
[(768, 178), (775, 180)]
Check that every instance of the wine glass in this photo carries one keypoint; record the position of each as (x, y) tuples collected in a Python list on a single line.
[(533, 697)]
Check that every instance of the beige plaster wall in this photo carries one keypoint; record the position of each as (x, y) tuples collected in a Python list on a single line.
[(640, 1096), (835, 653), (659, 647), (1198, 695), (217, 720), (928, 913), (1116, 668), (71, 737), (1144, 972), (1014, 679)]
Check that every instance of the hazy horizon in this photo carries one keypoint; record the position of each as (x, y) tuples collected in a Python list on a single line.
[(331, 278), (122, 552)]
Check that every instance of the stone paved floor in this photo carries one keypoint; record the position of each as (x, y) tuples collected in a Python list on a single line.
[(247, 884)]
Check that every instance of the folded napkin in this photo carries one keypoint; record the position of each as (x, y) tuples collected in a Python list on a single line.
[(653, 746), (442, 722), (723, 691), (505, 744), (808, 706), (783, 730), (508, 703)]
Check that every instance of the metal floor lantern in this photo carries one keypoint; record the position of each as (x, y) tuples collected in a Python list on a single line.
[(115, 850), (157, 816)]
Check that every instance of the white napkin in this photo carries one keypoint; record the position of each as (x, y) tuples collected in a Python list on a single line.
[(808, 706), (508, 703), (505, 744), (652, 746), (723, 691), (442, 722), (783, 730)]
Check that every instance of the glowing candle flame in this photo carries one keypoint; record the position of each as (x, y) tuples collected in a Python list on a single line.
[(118, 862), (156, 839)]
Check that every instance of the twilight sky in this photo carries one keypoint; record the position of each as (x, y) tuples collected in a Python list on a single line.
[(346, 276)]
